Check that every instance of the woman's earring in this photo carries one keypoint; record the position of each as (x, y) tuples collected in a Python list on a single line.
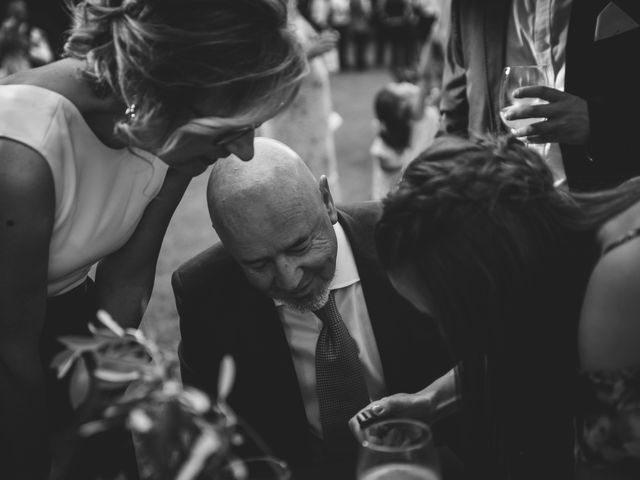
[(131, 111)]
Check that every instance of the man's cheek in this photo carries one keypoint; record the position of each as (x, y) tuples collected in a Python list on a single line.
[(258, 281)]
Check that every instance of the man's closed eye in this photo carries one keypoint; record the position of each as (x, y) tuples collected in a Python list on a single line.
[(257, 265)]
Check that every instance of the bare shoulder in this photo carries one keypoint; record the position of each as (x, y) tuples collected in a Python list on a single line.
[(26, 185), (609, 330)]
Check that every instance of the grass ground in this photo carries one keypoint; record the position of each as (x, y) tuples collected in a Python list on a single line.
[(190, 230)]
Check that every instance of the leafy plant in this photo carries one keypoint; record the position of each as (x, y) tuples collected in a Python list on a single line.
[(121, 378)]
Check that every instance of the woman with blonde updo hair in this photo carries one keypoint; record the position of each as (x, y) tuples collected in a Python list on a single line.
[(96, 151), (537, 292)]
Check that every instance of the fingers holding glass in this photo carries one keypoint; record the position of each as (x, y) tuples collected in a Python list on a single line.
[(517, 104)]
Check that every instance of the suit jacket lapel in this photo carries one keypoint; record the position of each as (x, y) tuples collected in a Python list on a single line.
[(267, 379), (383, 305), (406, 339), (582, 25)]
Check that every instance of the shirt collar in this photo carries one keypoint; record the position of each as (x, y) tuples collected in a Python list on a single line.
[(346, 270)]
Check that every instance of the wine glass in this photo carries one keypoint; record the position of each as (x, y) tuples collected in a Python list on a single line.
[(514, 77), (397, 449)]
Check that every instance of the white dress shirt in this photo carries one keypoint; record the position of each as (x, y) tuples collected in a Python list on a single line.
[(537, 35), (302, 331)]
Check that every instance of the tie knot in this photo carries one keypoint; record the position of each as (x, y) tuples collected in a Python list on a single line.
[(329, 311)]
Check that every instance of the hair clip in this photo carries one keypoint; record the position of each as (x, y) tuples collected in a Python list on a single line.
[(131, 111)]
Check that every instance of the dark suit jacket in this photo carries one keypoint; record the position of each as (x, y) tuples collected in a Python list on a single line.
[(220, 313), (603, 72)]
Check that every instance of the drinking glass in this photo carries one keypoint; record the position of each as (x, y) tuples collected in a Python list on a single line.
[(515, 77), (256, 468), (398, 449)]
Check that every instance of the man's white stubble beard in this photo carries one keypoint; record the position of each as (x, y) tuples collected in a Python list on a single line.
[(315, 303)]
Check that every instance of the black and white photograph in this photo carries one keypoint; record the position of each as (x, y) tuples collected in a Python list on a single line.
[(319, 240)]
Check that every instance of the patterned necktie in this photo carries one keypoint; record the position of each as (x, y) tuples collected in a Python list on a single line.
[(340, 382)]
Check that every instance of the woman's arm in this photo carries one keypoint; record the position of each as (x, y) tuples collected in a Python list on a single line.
[(436, 401), (609, 331), (609, 349), (27, 202), (125, 278)]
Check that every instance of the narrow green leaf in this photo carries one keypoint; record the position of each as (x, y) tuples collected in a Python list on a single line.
[(114, 376), (81, 344), (110, 323), (226, 378), (91, 428), (79, 384), (62, 362)]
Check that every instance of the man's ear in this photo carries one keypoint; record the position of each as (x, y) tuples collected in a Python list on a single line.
[(327, 199)]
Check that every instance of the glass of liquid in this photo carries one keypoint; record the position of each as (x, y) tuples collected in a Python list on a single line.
[(398, 449), (514, 77)]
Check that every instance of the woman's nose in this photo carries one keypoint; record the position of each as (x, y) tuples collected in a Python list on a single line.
[(242, 147)]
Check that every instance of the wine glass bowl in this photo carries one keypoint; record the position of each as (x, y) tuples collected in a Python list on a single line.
[(514, 77), (397, 449)]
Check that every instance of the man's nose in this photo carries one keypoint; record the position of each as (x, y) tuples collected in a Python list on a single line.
[(242, 147), (288, 274)]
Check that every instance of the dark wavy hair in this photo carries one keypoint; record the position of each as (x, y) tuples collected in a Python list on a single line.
[(164, 55), (504, 258)]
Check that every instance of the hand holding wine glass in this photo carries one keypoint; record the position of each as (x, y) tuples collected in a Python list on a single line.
[(513, 78)]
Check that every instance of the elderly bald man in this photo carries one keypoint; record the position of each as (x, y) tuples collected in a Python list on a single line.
[(286, 252)]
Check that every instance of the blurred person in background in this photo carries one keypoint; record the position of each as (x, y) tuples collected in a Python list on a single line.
[(340, 21), (398, 21), (406, 119), (400, 135), (54, 18), (307, 124), (96, 151), (360, 30), (429, 74), (379, 34), (22, 45), (426, 13)]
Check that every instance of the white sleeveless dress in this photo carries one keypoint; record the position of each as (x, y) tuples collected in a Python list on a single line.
[(100, 192)]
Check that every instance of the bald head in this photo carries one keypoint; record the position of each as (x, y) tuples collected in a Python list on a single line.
[(276, 220), (273, 184), (274, 171)]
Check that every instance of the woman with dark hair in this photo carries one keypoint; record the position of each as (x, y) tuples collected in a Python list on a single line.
[(537, 292), (96, 151)]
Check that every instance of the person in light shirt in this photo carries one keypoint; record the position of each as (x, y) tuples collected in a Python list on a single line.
[(285, 248), (591, 117)]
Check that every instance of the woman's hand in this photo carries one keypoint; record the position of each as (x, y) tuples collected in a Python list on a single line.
[(433, 402), (419, 406), (191, 149)]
